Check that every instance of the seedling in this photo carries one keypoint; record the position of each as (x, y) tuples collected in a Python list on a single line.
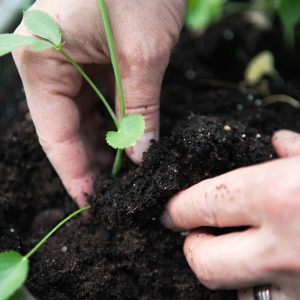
[(259, 66), (14, 266), (47, 35)]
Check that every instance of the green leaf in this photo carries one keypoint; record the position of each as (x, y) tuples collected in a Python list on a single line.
[(41, 24), (10, 42), (13, 273), (202, 13), (22, 294), (289, 14), (131, 129), (40, 45)]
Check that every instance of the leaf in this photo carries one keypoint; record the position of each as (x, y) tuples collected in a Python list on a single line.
[(202, 13), (40, 45), (13, 273), (289, 14), (22, 294), (10, 42), (259, 66), (41, 24), (131, 129)]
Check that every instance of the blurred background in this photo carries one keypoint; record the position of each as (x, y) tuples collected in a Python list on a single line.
[(10, 12), (12, 99)]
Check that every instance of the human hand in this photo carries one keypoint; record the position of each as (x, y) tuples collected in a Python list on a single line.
[(266, 200), (61, 106)]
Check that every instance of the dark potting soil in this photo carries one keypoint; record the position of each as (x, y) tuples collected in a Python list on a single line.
[(121, 251)]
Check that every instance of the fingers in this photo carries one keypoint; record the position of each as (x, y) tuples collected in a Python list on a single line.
[(51, 86), (142, 81), (144, 43), (223, 201), (286, 143), (226, 261)]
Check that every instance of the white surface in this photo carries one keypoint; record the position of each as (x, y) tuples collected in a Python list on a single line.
[(9, 9)]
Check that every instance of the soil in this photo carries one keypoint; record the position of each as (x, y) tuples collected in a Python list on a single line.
[(210, 124)]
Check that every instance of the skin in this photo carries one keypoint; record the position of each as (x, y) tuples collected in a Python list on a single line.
[(61, 105), (266, 199)]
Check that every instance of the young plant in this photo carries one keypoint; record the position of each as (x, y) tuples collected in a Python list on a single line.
[(14, 267), (259, 66), (47, 34)]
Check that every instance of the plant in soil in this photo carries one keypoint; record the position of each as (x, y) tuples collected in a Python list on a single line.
[(129, 128), (14, 266), (207, 129)]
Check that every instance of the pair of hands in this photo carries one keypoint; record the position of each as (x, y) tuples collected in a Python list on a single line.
[(264, 197)]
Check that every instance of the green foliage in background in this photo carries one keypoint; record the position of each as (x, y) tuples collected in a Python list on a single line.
[(202, 13), (289, 14)]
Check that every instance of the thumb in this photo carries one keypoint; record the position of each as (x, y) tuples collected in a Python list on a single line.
[(286, 143), (142, 85)]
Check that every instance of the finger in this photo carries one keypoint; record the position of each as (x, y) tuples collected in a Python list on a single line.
[(142, 81), (227, 261), (286, 143), (51, 85), (223, 201)]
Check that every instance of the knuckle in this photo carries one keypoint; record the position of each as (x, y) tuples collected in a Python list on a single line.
[(151, 53), (146, 110), (207, 212)]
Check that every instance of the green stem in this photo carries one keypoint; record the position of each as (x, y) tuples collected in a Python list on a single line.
[(117, 163), (57, 227), (114, 59), (113, 56), (92, 85)]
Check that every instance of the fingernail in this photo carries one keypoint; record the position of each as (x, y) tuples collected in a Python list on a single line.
[(167, 222), (142, 145)]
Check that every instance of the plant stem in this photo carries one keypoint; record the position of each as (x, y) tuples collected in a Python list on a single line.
[(92, 85), (57, 227), (113, 56), (114, 59), (117, 163)]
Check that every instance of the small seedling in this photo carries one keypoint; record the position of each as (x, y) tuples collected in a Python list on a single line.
[(259, 66), (47, 35), (14, 267)]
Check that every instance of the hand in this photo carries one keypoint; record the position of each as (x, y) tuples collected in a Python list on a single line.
[(61, 106), (266, 199)]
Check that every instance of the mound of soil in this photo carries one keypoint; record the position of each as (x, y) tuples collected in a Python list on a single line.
[(121, 251)]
